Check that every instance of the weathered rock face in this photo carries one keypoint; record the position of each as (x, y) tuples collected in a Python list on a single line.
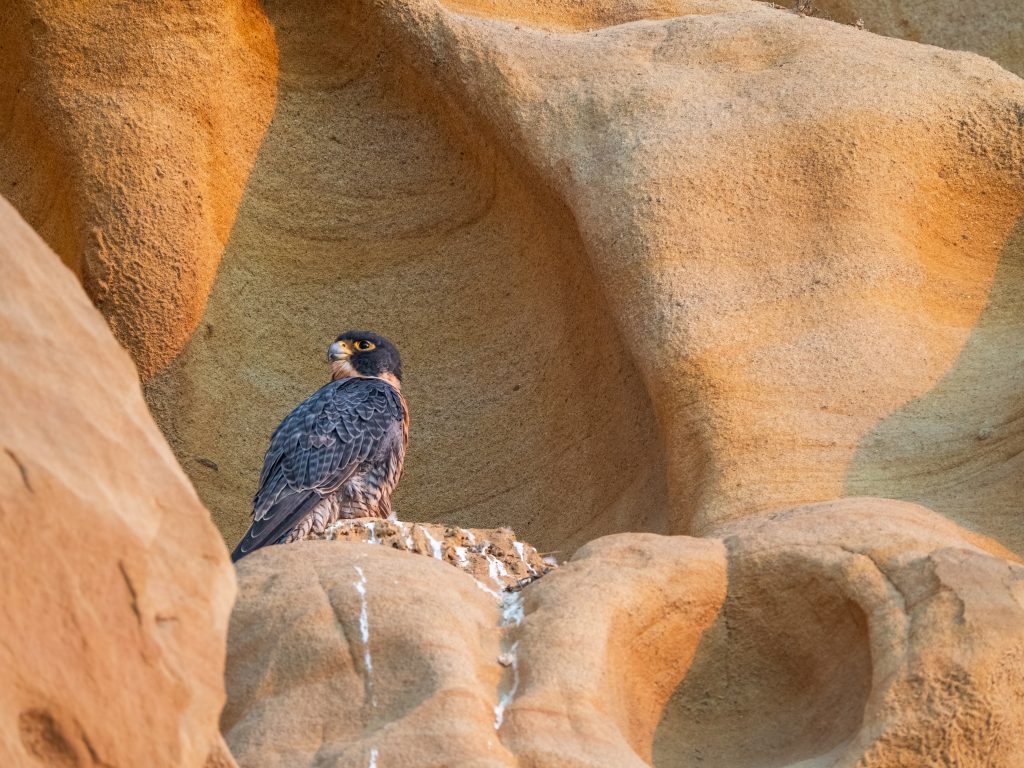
[(354, 654), (788, 248), (339, 651), (993, 28), (864, 632), (526, 405), (654, 266), (127, 136), (861, 632), (116, 585), (808, 236)]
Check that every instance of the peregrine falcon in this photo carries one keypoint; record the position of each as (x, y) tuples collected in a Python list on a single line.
[(340, 453)]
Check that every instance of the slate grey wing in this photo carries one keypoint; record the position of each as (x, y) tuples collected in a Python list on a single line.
[(345, 427)]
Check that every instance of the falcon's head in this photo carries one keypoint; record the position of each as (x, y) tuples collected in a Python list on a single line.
[(361, 353)]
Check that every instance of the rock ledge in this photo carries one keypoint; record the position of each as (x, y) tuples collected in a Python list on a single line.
[(493, 556)]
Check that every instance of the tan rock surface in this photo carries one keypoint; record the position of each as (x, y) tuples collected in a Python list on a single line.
[(788, 248), (654, 266), (126, 136), (863, 632), (369, 207), (809, 237), (343, 654), (993, 28), (573, 670), (603, 643), (116, 586)]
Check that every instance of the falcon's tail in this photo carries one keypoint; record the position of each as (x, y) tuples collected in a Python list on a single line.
[(279, 520)]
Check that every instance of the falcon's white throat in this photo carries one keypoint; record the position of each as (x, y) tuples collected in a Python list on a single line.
[(342, 368)]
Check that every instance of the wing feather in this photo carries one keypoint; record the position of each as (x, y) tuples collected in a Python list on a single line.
[(316, 449)]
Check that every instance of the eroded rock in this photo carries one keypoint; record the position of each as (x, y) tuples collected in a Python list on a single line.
[(116, 585), (864, 632), (346, 653), (861, 632), (993, 28), (127, 137), (495, 558), (810, 238), (653, 266)]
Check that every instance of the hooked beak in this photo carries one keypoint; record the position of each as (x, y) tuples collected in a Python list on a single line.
[(339, 350)]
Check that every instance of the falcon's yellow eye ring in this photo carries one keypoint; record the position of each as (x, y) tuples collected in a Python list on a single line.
[(363, 346)]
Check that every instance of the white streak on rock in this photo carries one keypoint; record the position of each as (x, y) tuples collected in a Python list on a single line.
[(512, 614), (496, 570), (521, 553), (507, 696), (435, 545), (364, 632), (485, 588), (512, 611)]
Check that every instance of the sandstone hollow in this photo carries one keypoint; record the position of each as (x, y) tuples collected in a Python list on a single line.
[(718, 302)]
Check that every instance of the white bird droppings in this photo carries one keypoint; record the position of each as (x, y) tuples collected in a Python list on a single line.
[(435, 545), (364, 633), (512, 614)]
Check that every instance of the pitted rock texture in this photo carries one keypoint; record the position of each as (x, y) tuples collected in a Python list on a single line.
[(652, 266), (440, 673), (116, 585), (993, 28), (495, 558), (127, 133), (861, 633)]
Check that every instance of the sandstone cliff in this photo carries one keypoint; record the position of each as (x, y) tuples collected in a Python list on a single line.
[(703, 268), (864, 633), (116, 586), (787, 248)]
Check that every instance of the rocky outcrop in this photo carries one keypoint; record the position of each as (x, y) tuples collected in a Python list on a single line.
[(647, 275), (352, 654), (788, 248), (667, 266), (864, 632), (809, 238), (355, 654), (117, 587), (127, 135), (495, 558)]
